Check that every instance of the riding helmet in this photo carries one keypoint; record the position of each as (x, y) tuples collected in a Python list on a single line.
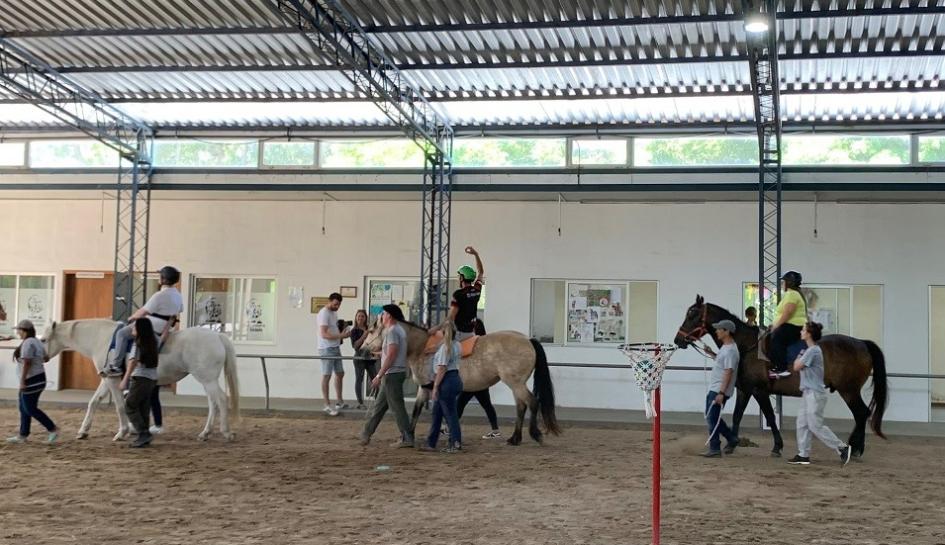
[(467, 272), (169, 275), (792, 277)]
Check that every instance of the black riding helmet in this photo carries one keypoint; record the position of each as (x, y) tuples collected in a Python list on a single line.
[(793, 279), (169, 276)]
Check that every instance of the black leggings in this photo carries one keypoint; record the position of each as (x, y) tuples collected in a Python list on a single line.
[(361, 367), (156, 407), (783, 337), (482, 396)]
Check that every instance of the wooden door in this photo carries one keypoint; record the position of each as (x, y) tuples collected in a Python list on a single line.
[(87, 295)]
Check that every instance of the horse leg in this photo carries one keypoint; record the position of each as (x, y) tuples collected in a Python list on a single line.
[(766, 409), (219, 397), (423, 395), (861, 414), (124, 424), (97, 398), (211, 409), (522, 396), (741, 403)]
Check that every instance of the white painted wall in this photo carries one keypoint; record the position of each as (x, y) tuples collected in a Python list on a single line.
[(690, 248)]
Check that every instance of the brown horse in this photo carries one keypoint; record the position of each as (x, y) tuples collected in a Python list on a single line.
[(848, 362), (508, 356)]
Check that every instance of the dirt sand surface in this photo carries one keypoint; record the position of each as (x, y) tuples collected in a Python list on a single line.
[(306, 480)]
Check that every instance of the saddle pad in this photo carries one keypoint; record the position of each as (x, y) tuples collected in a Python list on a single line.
[(435, 340), (792, 352)]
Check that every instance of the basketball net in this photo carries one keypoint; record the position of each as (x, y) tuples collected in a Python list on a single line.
[(648, 361)]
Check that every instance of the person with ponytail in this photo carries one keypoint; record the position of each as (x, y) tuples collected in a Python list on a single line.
[(447, 385), (143, 374), (30, 359)]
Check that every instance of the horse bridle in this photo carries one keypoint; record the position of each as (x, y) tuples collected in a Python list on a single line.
[(694, 337)]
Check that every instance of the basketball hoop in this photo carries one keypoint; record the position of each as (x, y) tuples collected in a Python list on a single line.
[(649, 360)]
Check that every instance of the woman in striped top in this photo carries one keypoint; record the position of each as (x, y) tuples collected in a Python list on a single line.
[(30, 359)]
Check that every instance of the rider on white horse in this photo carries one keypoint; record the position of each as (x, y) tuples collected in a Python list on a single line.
[(162, 309)]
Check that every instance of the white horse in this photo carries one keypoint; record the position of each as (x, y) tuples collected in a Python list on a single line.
[(193, 351)]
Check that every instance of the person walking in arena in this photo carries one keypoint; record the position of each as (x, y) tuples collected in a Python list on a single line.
[(389, 381), (30, 359), (810, 416), (721, 389), (447, 385), (142, 373), (482, 396)]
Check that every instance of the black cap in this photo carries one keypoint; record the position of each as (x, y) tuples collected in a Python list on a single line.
[(395, 312)]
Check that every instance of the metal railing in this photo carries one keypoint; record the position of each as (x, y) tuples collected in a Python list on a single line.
[(265, 370)]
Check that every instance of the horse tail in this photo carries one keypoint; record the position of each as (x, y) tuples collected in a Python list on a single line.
[(232, 381), (544, 389), (880, 388)]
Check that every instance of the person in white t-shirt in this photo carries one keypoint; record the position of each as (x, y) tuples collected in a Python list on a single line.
[(162, 309), (329, 349)]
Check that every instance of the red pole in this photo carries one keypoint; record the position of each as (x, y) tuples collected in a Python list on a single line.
[(656, 468)]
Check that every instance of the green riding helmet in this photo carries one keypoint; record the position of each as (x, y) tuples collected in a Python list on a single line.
[(467, 272)]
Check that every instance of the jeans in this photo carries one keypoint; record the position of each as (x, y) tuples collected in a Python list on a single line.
[(810, 421), (116, 358), (156, 407), (360, 368), (482, 396), (138, 404), (713, 416), (783, 337), (29, 406), (390, 395), (450, 388)]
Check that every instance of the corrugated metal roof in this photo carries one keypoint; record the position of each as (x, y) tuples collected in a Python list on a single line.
[(544, 61)]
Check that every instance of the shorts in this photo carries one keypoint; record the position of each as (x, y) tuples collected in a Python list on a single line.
[(329, 364)]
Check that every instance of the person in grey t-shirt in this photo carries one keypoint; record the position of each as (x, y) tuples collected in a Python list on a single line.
[(810, 416), (143, 373), (30, 359), (721, 388), (389, 381)]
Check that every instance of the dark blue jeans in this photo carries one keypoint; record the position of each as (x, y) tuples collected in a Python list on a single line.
[(156, 411), (29, 406), (713, 415), (446, 407)]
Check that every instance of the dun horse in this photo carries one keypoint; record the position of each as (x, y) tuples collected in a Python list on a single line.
[(508, 356), (848, 363)]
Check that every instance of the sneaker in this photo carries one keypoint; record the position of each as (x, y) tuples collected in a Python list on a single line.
[(711, 454), (783, 374), (799, 461), (426, 448), (142, 441), (156, 430), (402, 444), (330, 411), (16, 439), (494, 434), (51, 438), (361, 407), (364, 439), (729, 448), (110, 371), (341, 405), (844, 455), (452, 449)]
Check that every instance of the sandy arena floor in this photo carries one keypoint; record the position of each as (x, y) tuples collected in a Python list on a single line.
[(306, 480)]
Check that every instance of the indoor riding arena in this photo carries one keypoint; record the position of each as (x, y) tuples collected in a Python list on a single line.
[(499, 272)]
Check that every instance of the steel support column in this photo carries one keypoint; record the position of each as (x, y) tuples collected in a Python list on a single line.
[(337, 36), (35, 81), (763, 64)]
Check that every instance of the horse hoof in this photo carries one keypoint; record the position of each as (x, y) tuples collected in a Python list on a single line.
[(82, 436), (229, 437), (775, 453), (118, 437), (202, 437)]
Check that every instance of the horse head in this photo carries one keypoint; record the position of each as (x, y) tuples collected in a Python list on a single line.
[(55, 339), (373, 339), (3, 313), (698, 322)]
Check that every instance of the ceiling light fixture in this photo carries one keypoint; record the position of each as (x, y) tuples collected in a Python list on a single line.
[(756, 23)]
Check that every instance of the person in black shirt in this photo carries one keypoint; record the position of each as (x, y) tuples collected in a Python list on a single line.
[(361, 366), (465, 303)]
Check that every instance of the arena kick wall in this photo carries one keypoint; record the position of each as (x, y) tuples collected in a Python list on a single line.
[(706, 248)]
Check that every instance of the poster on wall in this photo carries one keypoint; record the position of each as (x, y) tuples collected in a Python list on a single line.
[(595, 313), (210, 310), (7, 300)]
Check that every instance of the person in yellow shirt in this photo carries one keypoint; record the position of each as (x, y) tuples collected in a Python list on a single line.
[(786, 329)]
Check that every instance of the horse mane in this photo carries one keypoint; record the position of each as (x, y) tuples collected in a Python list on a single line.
[(739, 323)]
